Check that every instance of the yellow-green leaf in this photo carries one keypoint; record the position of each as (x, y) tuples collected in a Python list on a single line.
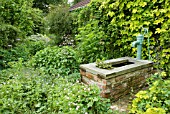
[(111, 13), (134, 10)]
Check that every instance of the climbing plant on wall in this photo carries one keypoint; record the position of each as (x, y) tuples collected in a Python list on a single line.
[(121, 21)]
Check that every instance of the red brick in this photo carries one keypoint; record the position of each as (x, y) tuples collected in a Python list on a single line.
[(106, 91), (141, 78), (100, 85), (119, 87), (96, 78), (114, 92), (104, 81), (116, 97), (104, 95), (84, 80), (82, 72), (89, 75), (120, 78), (115, 85), (104, 86), (126, 92)]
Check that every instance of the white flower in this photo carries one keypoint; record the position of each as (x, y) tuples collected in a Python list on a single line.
[(68, 98), (77, 107)]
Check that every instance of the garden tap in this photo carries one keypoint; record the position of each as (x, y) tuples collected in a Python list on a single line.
[(138, 43)]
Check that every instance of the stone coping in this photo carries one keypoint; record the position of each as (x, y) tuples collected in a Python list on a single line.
[(109, 73)]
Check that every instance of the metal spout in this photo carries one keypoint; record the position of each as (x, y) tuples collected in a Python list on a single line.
[(138, 44), (135, 43)]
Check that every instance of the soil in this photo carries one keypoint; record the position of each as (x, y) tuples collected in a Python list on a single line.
[(122, 104)]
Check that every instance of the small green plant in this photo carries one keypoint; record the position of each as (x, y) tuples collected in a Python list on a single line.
[(156, 99), (102, 64)]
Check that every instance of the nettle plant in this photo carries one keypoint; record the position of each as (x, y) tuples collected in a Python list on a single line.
[(121, 22), (57, 61)]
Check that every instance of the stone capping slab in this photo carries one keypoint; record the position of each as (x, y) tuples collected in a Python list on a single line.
[(106, 74)]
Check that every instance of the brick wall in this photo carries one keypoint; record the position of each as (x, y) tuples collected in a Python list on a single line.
[(116, 87)]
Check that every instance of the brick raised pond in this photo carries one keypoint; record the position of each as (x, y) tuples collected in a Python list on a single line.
[(127, 74)]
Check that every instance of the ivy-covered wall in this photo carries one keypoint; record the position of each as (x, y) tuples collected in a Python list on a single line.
[(114, 24)]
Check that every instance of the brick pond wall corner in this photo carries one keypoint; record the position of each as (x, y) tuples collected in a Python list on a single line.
[(119, 81)]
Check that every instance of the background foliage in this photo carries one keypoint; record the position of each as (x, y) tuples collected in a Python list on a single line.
[(59, 22), (121, 21), (17, 20), (44, 5), (24, 50)]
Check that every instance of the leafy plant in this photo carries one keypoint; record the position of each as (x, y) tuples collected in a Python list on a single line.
[(93, 43), (102, 64), (25, 90), (56, 61), (156, 99)]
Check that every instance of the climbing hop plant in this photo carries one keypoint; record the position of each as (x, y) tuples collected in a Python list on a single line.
[(122, 20)]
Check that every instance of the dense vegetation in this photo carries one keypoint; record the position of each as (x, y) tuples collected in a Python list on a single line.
[(17, 20), (42, 45), (24, 90)]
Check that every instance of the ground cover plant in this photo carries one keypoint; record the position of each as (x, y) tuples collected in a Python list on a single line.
[(155, 100), (25, 90)]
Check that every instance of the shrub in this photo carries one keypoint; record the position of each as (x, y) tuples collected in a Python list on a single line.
[(56, 61), (27, 91), (59, 22), (155, 100), (8, 35), (44, 4)]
